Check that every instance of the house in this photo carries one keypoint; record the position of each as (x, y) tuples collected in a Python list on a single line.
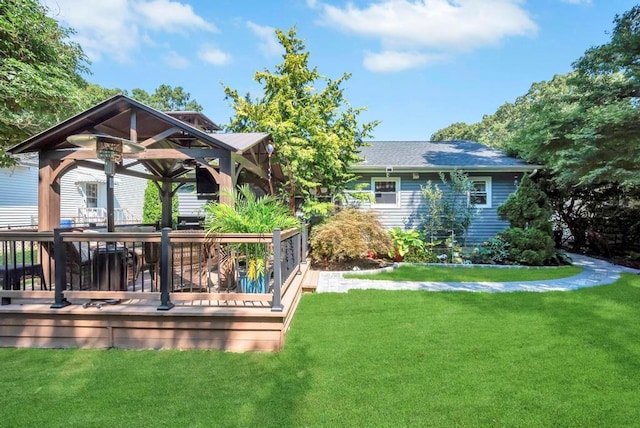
[(394, 171), (82, 195)]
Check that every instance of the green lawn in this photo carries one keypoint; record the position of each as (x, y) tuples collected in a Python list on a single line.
[(469, 273), (365, 358)]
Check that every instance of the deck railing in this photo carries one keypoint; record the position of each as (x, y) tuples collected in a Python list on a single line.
[(70, 264)]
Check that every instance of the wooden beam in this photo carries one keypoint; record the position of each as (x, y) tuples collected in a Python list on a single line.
[(133, 131), (247, 164), (119, 170), (176, 153), (159, 137)]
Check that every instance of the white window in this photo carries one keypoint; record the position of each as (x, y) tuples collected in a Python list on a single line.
[(386, 191), (481, 195), (91, 193)]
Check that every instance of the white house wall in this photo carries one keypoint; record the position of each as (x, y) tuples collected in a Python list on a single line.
[(128, 192), (19, 195), (18, 203)]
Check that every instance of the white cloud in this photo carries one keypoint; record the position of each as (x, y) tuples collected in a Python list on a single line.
[(390, 61), (117, 28), (576, 1), (174, 60), (407, 27), (101, 28), (269, 44), (214, 56), (170, 16)]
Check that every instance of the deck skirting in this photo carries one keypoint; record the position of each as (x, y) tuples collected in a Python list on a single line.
[(27, 324)]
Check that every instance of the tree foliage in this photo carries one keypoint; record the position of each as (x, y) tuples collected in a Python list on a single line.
[(39, 72), (166, 98), (315, 130), (583, 127), (450, 210)]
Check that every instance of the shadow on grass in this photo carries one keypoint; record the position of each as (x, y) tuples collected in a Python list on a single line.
[(153, 388)]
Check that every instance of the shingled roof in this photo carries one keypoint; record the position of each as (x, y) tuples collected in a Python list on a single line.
[(436, 156)]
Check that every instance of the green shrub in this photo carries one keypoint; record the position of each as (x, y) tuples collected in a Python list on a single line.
[(528, 207), (152, 205), (350, 234), (531, 246), (494, 251)]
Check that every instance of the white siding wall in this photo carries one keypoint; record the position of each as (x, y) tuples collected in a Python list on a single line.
[(128, 192), (18, 195)]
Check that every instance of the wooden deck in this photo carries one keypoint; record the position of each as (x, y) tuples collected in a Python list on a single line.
[(228, 325)]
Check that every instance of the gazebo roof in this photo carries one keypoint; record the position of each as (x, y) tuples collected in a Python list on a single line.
[(124, 117), (112, 117)]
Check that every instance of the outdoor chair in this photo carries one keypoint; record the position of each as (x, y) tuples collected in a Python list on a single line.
[(77, 265), (190, 263), (151, 262)]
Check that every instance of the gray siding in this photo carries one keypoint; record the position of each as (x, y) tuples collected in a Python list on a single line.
[(189, 204), (412, 208)]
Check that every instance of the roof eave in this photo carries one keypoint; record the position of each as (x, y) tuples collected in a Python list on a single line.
[(466, 168)]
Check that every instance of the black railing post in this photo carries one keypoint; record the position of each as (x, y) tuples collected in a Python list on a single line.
[(165, 270), (60, 263), (276, 305), (305, 242), (297, 249)]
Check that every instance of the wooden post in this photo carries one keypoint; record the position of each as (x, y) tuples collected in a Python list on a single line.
[(166, 198), (276, 304), (227, 175), (165, 270), (48, 194), (48, 207)]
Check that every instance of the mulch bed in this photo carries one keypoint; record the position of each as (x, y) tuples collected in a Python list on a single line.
[(359, 264)]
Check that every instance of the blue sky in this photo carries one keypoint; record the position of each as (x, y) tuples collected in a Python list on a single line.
[(416, 65)]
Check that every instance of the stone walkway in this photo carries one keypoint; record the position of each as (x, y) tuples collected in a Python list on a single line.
[(595, 272)]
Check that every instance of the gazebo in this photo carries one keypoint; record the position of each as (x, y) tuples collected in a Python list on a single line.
[(176, 288), (174, 143)]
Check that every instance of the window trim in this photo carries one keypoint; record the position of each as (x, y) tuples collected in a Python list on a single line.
[(97, 194), (488, 182), (397, 192)]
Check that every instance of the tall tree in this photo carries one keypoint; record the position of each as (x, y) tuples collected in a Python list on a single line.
[(39, 69), (456, 131), (166, 98), (314, 128)]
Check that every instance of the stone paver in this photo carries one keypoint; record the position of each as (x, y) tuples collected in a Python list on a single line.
[(595, 272)]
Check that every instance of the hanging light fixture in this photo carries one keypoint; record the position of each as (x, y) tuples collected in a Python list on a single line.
[(270, 149), (108, 149)]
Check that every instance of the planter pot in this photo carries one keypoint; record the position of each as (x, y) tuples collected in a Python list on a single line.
[(258, 285)]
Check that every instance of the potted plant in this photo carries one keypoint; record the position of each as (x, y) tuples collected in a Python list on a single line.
[(248, 214)]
